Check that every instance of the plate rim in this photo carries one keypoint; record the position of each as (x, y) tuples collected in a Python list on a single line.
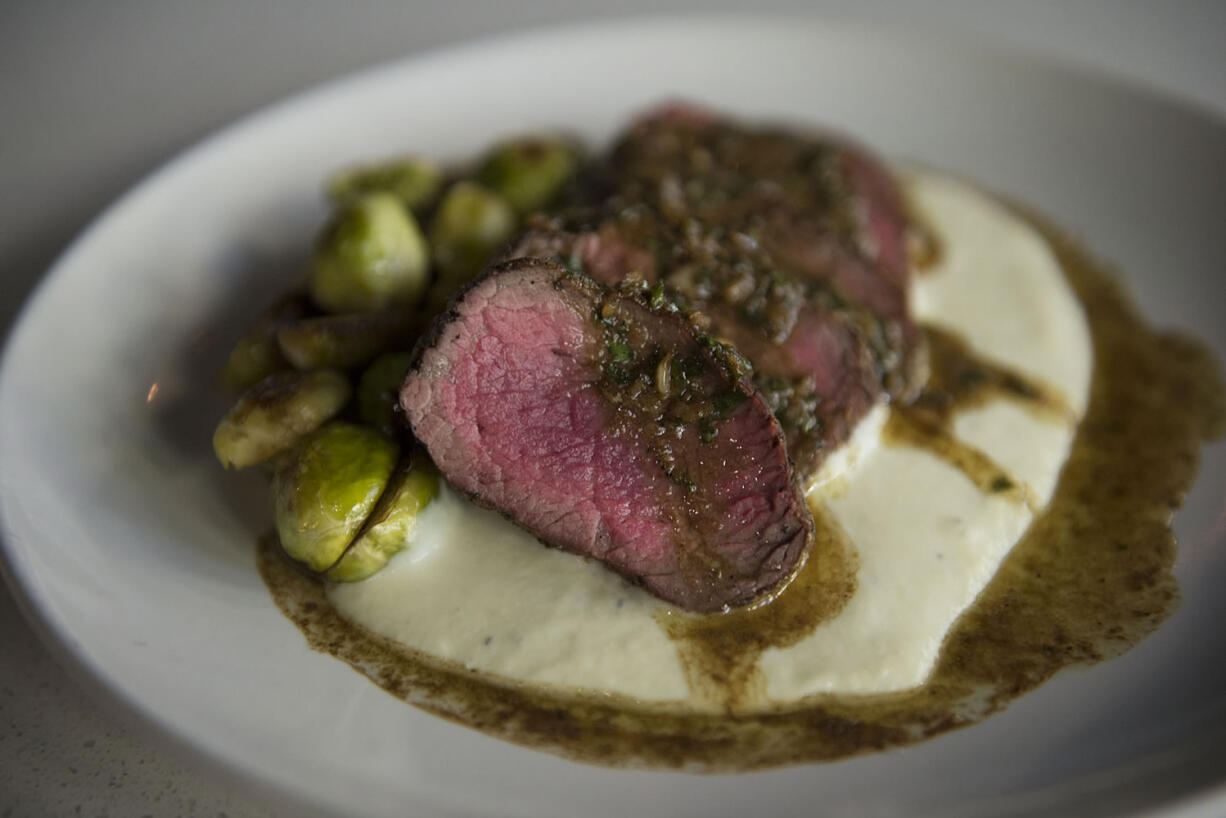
[(21, 583)]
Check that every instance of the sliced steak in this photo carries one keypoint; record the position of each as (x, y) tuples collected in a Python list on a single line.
[(764, 176), (610, 429), (789, 246), (821, 209)]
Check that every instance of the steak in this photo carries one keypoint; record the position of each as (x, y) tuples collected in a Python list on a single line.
[(611, 428), (790, 247)]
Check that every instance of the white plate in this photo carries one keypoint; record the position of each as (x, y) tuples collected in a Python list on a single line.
[(133, 551)]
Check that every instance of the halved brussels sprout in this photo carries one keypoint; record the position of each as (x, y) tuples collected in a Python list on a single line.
[(530, 173), (324, 492), (257, 355), (345, 341), (470, 224), (379, 391), (273, 415), (370, 256), (392, 522), (413, 180)]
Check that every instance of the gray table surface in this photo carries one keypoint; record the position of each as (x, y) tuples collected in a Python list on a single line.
[(93, 96)]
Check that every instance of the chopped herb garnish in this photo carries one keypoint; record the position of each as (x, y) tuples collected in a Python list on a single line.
[(737, 363), (658, 298), (574, 264), (685, 483), (618, 374), (620, 351), (725, 403)]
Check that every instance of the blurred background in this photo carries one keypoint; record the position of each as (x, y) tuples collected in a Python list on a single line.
[(94, 96)]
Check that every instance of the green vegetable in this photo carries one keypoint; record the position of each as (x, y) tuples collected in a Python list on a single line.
[(257, 355), (658, 298), (413, 180), (379, 391), (470, 224), (529, 173), (620, 351), (392, 522), (323, 494), (370, 256), (345, 341), (271, 416)]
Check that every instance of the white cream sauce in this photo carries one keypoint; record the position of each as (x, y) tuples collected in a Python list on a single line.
[(474, 589)]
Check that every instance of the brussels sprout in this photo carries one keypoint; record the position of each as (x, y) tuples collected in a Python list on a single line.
[(371, 255), (344, 341), (529, 173), (323, 494), (391, 524), (272, 415), (257, 355), (413, 180), (379, 391), (470, 224)]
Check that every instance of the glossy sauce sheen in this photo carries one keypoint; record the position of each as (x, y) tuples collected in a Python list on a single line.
[(1090, 577)]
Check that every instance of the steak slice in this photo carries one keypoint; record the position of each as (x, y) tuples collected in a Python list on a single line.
[(822, 210), (613, 430), (730, 172)]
